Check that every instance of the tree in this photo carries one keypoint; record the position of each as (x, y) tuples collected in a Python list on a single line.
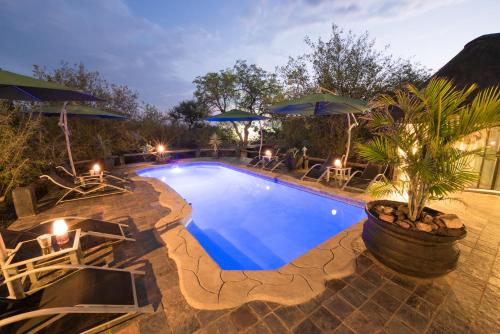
[(88, 135), (246, 87), (20, 160), (349, 65), (424, 144), (189, 112)]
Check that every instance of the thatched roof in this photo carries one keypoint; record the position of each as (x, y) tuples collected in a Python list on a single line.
[(478, 62)]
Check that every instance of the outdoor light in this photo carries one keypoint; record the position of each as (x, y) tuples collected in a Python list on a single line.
[(96, 169), (334, 212), (492, 142), (337, 163), (160, 148), (60, 230), (268, 153), (267, 187)]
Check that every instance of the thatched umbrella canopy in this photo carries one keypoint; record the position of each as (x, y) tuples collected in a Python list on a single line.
[(478, 62)]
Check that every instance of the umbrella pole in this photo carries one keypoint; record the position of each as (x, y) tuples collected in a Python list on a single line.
[(260, 147), (349, 130), (64, 124)]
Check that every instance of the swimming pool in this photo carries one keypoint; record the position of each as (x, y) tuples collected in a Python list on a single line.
[(250, 222)]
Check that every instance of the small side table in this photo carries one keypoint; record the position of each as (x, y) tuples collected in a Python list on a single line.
[(340, 174), (28, 254)]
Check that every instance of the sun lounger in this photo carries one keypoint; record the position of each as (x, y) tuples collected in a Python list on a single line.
[(82, 178), (361, 180), (89, 227), (273, 164), (88, 299), (255, 161), (316, 173), (91, 189)]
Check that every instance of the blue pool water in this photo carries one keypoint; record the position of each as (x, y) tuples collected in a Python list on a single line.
[(251, 222)]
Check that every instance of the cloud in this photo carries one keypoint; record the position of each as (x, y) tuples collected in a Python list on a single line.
[(161, 60), (106, 36)]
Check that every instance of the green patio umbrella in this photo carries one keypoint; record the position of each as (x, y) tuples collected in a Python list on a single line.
[(76, 111), (19, 87), (236, 115), (320, 104), (80, 111)]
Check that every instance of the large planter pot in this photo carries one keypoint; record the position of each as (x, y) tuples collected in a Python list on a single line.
[(407, 251)]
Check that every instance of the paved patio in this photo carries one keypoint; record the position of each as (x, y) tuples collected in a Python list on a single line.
[(373, 299)]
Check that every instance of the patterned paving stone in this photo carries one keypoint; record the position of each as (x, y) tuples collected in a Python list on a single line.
[(375, 313), (243, 317), (290, 315), (223, 325), (154, 324), (275, 324), (352, 295), (364, 286), (396, 326), (395, 291), (386, 301), (339, 307), (445, 322), (422, 306), (342, 329), (260, 307), (259, 328), (307, 326), (205, 316), (431, 293), (374, 277), (412, 318), (325, 320), (363, 263), (310, 306), (408, 284), (335, 285), (360, 323)]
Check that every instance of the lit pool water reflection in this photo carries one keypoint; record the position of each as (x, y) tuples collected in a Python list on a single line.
[(250, 222)]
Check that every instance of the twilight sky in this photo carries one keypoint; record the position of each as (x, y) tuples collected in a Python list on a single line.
[(157, 46)]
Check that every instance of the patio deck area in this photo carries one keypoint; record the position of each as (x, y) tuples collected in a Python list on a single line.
[(374, 299)]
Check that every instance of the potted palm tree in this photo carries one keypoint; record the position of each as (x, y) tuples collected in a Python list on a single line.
[(215, 142), (424, 147)]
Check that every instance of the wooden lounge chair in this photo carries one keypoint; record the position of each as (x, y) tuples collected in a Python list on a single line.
[(316, 173), (85, 177), (106, 230), (361, 180), (91, 189), (88, 300)]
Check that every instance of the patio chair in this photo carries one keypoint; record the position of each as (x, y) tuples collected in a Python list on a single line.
[(91, 189), (361, 180), (273, 164), (255, 161), (106, 230), (316, 173), (89, 299), (82, 178)]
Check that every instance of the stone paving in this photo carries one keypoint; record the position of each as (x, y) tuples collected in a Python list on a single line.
[(373, 299)]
